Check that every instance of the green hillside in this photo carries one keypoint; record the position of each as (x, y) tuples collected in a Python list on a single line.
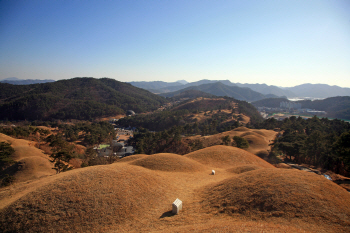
[(77, 98)]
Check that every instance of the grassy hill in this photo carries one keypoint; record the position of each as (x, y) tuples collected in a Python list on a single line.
[(136, 193), (78, 98), (30, 162), (259, 139)]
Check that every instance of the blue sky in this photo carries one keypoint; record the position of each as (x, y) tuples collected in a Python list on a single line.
[(283, 43)]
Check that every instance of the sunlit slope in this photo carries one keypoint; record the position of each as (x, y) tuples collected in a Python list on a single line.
[(87, 199), (169, 162), (32, 163), (227, 156), (246, 194), (280, 193), (259, 139)]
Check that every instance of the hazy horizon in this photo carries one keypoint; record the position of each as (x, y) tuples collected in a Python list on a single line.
[(281, 43)]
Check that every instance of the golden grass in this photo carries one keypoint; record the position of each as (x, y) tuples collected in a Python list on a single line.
[(259, 139), (131, 158), (246, 194), (242, 169), (33, 163), (291, 195), (169, 162), (87, 199), (226, 156)]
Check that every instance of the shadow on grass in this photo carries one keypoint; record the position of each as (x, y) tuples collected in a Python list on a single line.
[(167, 214)]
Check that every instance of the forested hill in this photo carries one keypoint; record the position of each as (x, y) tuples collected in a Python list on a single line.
[(220, 89), (270, 102), (77, 98)]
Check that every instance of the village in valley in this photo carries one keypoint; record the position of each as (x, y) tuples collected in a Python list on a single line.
[(118, 147)]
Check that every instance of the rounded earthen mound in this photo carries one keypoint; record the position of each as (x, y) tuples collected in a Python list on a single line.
[(242, 169), (283, 193), (227, 156), (88, 199), (251, 133), (260, 132), (241, 129), (132, 158), (169, 162), (256, 141), (31, 168)]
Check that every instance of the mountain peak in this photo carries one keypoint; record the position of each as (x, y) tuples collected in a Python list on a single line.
[(182, 81)]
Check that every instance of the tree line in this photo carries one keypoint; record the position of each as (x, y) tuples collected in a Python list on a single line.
[(319, 142)]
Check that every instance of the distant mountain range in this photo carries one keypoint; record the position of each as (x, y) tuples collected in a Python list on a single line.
[(304, 90), (319, 90), (17, 81), (220, 89), (77, 98)]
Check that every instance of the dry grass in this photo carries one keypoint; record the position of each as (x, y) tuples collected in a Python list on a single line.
[(242, 169), (169, 162), (87, 199), (259, 139), (32, 162), (291, 195), (124, 197), (132, 158), (226, 156)]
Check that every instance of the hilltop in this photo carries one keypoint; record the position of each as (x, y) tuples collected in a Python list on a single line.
[(197, 112), (31, 162), (259, 139), (77, 98), (220, 89), (136, 193)]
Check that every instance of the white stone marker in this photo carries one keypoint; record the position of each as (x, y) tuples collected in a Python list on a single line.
[(212, 172), (177, 206)]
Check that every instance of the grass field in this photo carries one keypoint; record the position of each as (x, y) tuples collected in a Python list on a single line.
[(246, 194)]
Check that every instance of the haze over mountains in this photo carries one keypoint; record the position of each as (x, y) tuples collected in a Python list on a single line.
[(303, 90), (17, 81), (158, 87)]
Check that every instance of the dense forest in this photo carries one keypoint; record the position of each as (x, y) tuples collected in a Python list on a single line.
[(319, 142), (184, 115), (78, 98), (163, 131)]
